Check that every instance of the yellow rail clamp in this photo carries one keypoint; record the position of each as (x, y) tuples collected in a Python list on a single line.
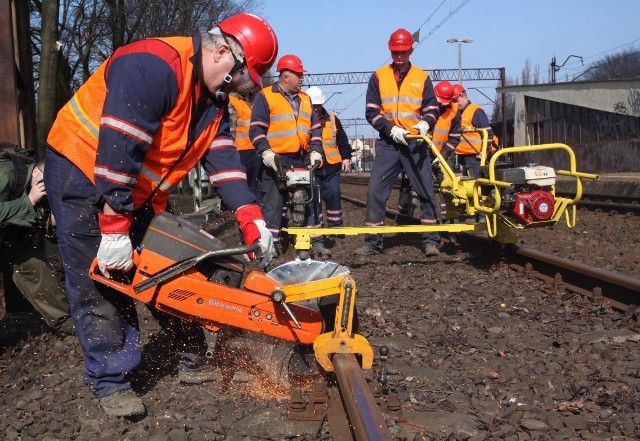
[(342, 339)]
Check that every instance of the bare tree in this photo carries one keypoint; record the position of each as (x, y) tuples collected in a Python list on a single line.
[(619, 66), (48, 72), (71, 38), (528, 75)]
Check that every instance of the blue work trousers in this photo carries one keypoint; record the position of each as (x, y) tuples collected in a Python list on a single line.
[(105, 320), (471, 165), (328, 180), (253, 165), (390, 159)]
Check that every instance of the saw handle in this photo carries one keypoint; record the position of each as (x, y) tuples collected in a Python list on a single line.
[(119, 279), (279, 298)]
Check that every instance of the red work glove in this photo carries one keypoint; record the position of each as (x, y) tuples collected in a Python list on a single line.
[(115, 252), (254, 229)]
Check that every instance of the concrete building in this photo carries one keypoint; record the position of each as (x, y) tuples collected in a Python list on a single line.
[(599, 120)]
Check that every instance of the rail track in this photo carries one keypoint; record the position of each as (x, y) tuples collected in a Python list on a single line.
[(558, 274), (355, 409)]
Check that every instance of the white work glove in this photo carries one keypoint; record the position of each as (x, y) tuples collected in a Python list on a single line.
[(398, 134), (254, 229), (423, 129), (115, 251), (315, 157), (269, 159)]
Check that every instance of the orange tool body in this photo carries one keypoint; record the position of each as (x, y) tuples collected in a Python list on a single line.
[(186, 272)]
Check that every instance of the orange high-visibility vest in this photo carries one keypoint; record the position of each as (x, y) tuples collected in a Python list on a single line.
[(329, 144), (402, 107), (75, 132), (443, 126), (286, 133), (243, 122), (471, 142)]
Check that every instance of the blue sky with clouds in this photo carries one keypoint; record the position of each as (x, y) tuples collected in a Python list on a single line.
[(351, 36)]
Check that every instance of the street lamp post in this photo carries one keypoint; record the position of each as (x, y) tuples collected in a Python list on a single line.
[(460, 41)]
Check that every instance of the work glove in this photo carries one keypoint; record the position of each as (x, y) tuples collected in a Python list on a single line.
[(398, 134), (115, 252), (254, 229), (269, 159), (315, 157), (423, 129)]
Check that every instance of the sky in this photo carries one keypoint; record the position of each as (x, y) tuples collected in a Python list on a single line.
[(332, 36)]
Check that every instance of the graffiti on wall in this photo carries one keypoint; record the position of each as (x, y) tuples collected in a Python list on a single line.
[(634, 101), (619, 107), (612, 127)]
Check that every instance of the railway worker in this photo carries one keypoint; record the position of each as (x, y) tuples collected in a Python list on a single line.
[(337, 157), (470, 146), (22, 202), (445, 137), (148, 115), (240, 115), (400, 100), (283, 123)]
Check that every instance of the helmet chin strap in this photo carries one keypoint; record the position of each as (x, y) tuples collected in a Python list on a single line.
[(223, 92)]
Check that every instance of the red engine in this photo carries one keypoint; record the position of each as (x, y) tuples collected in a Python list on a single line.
[(535, 206)]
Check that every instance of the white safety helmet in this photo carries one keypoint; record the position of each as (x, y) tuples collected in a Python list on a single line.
[(316, 95)]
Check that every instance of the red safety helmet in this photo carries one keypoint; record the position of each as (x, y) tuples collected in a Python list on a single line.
[(400, 41), (444, 92), (290, 62), (458, 90), (258, 40)]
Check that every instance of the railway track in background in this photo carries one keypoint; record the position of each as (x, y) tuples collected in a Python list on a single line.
[(612, 204), (621, 292)]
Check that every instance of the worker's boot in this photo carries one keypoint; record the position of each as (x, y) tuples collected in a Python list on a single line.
[(123, 403), (203, 373)]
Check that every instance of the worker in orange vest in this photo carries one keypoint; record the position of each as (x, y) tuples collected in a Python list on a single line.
[(149, 114), (469, 148), (240, 115), (400, 100), (283, 123), (337, 157), (445, 137)]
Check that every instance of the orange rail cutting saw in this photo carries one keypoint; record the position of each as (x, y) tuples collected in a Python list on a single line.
[(184, 271)]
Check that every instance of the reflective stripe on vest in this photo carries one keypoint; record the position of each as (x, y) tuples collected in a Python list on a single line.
[(74, 133), (402, 107), (443, 126), (470, 142), (331, 151), (286, 133), (243, 122)]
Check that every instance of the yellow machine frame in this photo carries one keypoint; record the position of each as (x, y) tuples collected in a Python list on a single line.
[(467, 196), (341, 340)]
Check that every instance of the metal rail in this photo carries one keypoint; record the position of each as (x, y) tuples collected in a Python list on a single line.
[(365, 416), (621, 291)]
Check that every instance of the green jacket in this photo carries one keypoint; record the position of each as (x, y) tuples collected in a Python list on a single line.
[(17, 216)]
